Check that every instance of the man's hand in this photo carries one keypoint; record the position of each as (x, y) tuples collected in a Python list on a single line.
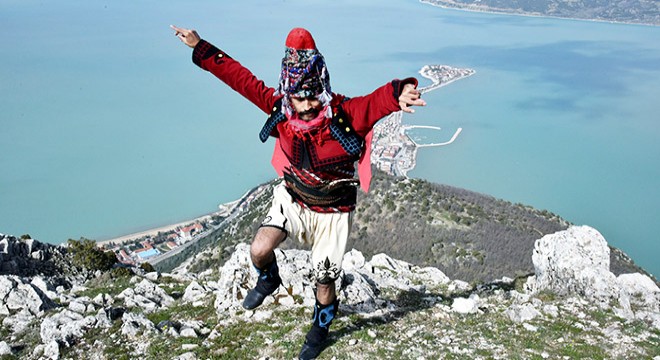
[(410, 96), (188, 37)]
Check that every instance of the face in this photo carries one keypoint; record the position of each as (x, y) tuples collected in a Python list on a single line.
[(307, 108)]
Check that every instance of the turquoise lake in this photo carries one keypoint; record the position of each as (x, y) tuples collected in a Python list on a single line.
[(107, 128)]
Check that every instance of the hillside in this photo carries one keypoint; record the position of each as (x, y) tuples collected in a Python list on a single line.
[(467, 235), (573, 307), (626, 11)]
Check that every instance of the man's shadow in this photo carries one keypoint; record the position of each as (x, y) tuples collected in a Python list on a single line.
[(410, 301)]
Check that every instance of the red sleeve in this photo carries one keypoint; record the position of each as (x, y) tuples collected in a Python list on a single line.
[(232, 73), (365, 111)]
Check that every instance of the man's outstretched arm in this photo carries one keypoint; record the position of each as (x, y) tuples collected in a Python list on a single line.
[(228, 70), (365, 111)]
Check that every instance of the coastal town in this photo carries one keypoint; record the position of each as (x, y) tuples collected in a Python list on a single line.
[(393, 152), (154, 246)]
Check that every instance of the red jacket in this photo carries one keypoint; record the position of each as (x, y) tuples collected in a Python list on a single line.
[(325, 152)]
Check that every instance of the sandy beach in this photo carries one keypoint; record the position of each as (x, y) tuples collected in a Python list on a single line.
[(152, 232), (224, 210)]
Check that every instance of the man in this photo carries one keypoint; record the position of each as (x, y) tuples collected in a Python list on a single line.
[(319, 137)]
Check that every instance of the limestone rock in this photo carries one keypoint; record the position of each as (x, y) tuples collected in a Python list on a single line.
[(17, 294), (237, 277), (52, 350), (134, 324), (574, 261), (195, 292), (65, 326), (147, 296), (103, 300), (522, 313), (29, 257), (5, 349), (188, 332), (19, 321), (357, 288), (186, 356), (46, 287), (641, 287), (353, 260), (466, 305), (644, 296), (152, 276), (358, 294)]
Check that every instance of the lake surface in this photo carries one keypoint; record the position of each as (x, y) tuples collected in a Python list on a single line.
[(106, 126)]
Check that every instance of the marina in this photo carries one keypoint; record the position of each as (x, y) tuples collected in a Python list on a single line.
[(393, 151)]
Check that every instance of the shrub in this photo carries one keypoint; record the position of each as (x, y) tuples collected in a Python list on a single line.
[(86, 255), (120, 272), (147, 267)]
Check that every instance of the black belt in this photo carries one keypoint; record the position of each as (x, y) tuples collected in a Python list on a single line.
[(341, 192)]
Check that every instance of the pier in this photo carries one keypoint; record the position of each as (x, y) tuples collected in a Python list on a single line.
[(393, 150)]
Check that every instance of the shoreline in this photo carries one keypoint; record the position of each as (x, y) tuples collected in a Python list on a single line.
[(153, 231), (224, 209), (434, 73), (496, 11)]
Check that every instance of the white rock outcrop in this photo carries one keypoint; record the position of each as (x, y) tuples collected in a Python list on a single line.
[(29, 257), (357, 287), (573, 264), (135, 324), (466, 305), (522, 313), (576, 262), (5, 349), (65, 327), (18, 294), (195, 292), (147, 296)]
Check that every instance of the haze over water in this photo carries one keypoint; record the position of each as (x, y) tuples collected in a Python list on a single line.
[(108, 128)]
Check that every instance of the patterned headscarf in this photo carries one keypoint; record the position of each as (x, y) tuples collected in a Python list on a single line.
[(304, 72)]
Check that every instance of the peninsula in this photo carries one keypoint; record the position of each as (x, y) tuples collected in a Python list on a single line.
[(392, 150), (620, 11)]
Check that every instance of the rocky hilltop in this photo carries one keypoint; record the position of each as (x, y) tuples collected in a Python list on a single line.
[(626, 11), (572, 307)]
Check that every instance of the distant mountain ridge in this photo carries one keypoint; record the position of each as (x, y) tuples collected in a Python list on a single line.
[(624, 11)]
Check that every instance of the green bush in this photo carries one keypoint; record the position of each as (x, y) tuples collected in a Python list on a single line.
[(86, 255), (120, 272), (147, 267)]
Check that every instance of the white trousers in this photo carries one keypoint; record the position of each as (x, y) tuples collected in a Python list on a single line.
[(327, 233)]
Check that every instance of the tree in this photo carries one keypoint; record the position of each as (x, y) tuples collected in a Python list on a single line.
[(147, 267), (86, 255)]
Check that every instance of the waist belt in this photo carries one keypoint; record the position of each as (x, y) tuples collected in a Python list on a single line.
[(327, 193)]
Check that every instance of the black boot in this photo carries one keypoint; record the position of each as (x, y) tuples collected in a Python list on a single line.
[(269, 280), (318, 334)]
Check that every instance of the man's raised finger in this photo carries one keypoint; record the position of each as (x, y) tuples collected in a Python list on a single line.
[(405, 108)]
